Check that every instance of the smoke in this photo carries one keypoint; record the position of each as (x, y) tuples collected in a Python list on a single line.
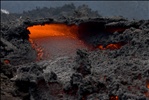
[(4, 11)]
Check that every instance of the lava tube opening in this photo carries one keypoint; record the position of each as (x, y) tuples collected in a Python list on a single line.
[(54, 40)]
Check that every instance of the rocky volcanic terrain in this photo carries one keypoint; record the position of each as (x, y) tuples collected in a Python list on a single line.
[(114, 67)]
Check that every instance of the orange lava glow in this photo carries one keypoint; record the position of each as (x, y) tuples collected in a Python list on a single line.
[(147, 84), (49, 30), (110, 46), (101, 47), (38, 49), (147, 94), (113, 98), (50, 40), (6, 61)]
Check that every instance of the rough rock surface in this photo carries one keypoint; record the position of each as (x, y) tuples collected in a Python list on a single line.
[(119, 74)]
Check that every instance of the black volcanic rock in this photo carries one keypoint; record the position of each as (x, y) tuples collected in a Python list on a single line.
[(90, 74), (83, 64)]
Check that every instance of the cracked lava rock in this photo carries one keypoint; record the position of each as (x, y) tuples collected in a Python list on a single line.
[(112, 62)]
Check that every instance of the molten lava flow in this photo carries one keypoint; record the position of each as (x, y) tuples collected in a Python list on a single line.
[(38, 49), (101, 47), (113, 98), (147, 84), (111, 46), (49, 30), (56, 39)]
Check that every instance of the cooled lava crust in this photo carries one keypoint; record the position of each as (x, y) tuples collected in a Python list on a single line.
[(102, 72)]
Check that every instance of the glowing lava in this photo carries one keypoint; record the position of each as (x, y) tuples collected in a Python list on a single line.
[(147, 94), (49, 30), (111, 46), (114, 98), (61, 39), (147, 84), (56, 39), (6, 61)]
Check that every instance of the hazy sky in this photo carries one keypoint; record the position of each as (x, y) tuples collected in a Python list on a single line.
[(128, 9)]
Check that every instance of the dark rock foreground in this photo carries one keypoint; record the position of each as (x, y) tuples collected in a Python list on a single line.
[(120, 74)]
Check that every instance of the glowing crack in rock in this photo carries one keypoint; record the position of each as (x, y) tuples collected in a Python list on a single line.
[(56, 39), (111, 46)]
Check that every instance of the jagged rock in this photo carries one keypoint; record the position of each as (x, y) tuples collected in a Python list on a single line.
[(83, 64), (104, 74), (50, 77)]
